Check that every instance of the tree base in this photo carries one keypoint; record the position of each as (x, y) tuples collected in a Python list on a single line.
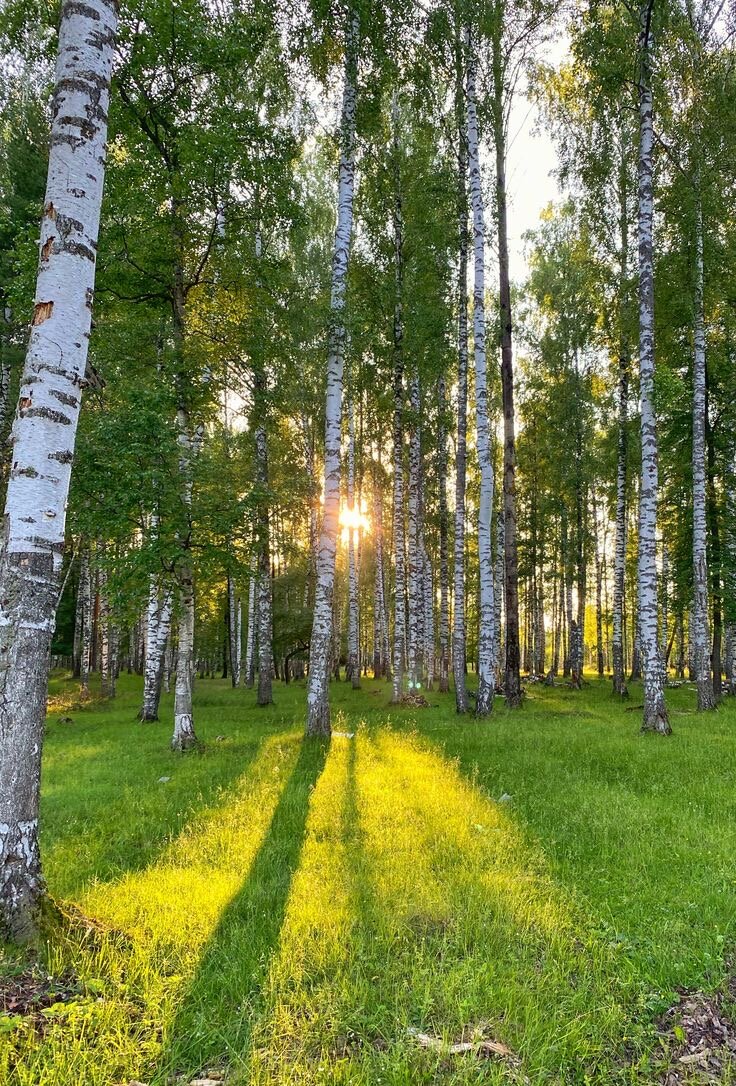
[(184, 738), (706, 697), (657, 723)]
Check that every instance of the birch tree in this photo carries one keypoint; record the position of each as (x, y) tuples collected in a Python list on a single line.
[(43, 440), (318, 704), (486, 678), (458, 615), (655, 711)]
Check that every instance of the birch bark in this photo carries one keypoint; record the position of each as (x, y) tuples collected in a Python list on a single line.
[(85, 656), (263, 542), (458, 573), (416, 594), (486, 677), (233, 615), (318, 703), (444, 639), (251, 635), (353, 669), (43, 438), (158, 627), (699, 631), (184, 737), (655, 711), (619, 560)]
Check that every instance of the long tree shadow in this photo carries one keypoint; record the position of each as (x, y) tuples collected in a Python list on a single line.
[(213, 1025), (115, 813), (419, 905)]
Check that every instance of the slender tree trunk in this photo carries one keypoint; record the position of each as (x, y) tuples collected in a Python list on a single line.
[(512, 683), (158, 627), (313, 499), (486, 677), (416, 595), (699, 629), (263, 543), (598, 595), (428, 609), (400, 639), (353, 668), (233, 629), (318, 702), (655, 711), (380, 621), (664, 636), (85, 592), (458, 614), (43, 441), (250, 644), (444, 661), (498, 591), (715, 563)]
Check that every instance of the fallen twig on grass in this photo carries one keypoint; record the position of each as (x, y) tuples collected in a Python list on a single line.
[(480, 1046)]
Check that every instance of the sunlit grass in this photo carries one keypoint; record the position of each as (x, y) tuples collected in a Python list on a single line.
[(292, 911)]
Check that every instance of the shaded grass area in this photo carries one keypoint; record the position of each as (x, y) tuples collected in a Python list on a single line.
[(292, 911)]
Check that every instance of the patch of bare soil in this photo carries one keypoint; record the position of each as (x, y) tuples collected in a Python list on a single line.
[(29, 993), (698, 1038)]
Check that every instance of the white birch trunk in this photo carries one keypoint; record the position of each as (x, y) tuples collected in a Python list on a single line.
[(184, 737), (353, 669), (428, 614), (444, 661), (398, 497), (43, 440), (458, 573), (158, 627), (619, 560), (380, 622), (655, 711), (499, 574), (313, 498), (699, 631), (416, 594), (399, 645), (233, 614), (318, 702), (85, 650), (486, 677), (251, 635), (265, 594)]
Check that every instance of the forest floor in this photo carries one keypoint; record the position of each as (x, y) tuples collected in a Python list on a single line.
[(535, 889)]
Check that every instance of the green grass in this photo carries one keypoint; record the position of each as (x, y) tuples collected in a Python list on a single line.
[(291, 910)]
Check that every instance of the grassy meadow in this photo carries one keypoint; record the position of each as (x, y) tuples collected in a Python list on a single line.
[(291, 912)]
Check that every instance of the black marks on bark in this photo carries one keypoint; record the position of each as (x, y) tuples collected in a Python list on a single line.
[(64, 397), (48, 413), (75, 142), (86, 128), (64, 457), (74, 7), (78, 248)]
